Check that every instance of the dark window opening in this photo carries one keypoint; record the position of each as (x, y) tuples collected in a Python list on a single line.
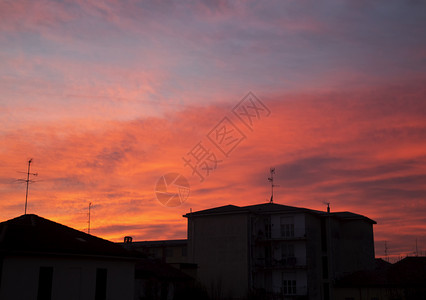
[(45, 278), (289, 287), (101, 284), (268, 255), (268, 228), (1, 269), (323, 236), (326, 291), (324, 267), (169, 252)]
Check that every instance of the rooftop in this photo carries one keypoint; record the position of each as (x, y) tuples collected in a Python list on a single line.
[(159, 243), (271, 208), (33, 235)]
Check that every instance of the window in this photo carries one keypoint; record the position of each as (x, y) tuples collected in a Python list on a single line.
[(289, 287), (287, 227), (268, 228), (169, 252), (289, 283), (326, 291), (268, 255), (45, 283), (1, 267), (101, 284), (287, 250), (324, 267), (323, 236)]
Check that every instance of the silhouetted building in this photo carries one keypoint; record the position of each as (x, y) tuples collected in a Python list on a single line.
[(277, 251), (158, 280), (171, 252), (404, 280), (41, 259), (168, 251)]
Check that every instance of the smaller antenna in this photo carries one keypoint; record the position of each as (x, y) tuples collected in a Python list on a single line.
[(88, 222), (386, 251), (328, 206), (417, 250), (271, 180)]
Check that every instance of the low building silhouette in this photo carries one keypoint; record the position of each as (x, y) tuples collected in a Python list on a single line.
[(171, 252), (164, 272), (403, 280), (274, 251), (41, 259)]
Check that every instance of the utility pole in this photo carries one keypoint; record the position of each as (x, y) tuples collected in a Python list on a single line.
[(88, 223), (417, 249), (386, 251)]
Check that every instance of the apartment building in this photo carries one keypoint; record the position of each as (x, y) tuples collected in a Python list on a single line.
[(277, 251)]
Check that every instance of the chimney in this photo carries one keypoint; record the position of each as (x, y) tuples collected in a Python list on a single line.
[(328, 207), (128, 239)]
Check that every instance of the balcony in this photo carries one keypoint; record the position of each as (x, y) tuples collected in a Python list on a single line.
[(285, 263), (285, 234), (297, 291)]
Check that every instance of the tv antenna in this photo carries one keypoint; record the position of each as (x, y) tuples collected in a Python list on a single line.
[(28, 181), (271, 180)]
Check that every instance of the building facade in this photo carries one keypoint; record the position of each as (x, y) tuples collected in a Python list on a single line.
[(44, 260), (277, 251)]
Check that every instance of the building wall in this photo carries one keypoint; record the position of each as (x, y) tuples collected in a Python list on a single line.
[(73, 278), (352, 246), (219, 245), (314, 254)]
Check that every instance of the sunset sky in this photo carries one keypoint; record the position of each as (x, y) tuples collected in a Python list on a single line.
[(108, 96)]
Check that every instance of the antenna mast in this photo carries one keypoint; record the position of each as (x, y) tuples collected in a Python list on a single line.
[(386, 251), (417, 250), (271, 180), (88, 226), (28, 181)]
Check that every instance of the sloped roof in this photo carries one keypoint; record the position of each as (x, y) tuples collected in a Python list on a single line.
[(217, 210), (346, 215), (275, 208), (33, 235), (157, 243)]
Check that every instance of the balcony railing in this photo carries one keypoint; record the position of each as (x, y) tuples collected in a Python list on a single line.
[(295, 234), (285, 263), (300, 291)]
